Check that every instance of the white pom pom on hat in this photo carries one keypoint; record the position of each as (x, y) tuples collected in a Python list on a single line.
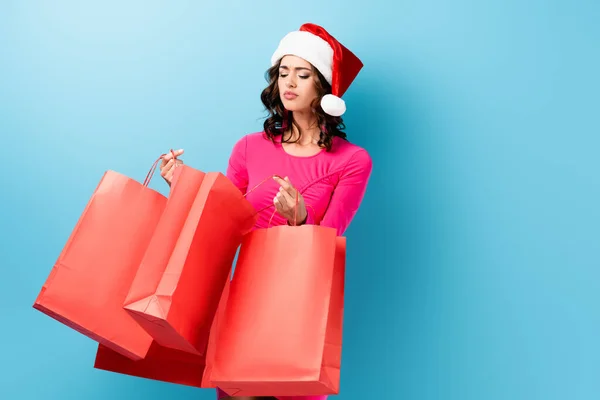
[(333, 60), (333, 105)]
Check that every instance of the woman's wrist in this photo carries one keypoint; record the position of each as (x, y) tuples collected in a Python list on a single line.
[(299, 221)]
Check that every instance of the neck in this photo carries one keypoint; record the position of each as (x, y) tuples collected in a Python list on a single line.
[(304, 128)]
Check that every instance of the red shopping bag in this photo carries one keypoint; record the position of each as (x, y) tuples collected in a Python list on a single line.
[(88, 283), (176, 291), (282, 332), (165, 364)]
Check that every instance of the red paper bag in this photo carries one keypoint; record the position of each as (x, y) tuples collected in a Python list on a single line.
[(165, 364), (282, 332), (176, 291), (88, 284)]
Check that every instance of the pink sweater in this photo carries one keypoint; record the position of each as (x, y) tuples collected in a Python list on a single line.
[(332, 183)]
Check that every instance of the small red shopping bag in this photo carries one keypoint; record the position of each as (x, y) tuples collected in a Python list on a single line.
[(92, 275), (176, 291), (282, 328), (166, 364)]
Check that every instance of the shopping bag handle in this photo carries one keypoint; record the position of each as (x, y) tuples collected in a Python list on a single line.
[(260, 184), (257, 186), (154, 166), (271, 205), (295, 212)]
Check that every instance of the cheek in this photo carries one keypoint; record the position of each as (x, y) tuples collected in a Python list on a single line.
[(309, 90)]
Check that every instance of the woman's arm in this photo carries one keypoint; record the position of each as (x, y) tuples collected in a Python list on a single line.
[(348, 193), (236, 169)]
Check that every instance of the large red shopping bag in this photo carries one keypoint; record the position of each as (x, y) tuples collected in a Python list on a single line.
[(166, 364), (86, 287), (282, 328), (176, 291)]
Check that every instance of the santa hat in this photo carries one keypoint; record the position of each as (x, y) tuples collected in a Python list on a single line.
[(335, 62)]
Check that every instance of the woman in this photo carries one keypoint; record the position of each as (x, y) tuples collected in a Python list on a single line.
[(319, 177)]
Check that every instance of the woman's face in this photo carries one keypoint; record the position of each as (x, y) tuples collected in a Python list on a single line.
[(296, 83)]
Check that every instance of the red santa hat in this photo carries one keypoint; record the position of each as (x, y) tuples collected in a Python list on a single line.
[(338, 65)]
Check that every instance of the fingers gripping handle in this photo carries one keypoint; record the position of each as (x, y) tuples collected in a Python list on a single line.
[(271, 205), (155, 165)]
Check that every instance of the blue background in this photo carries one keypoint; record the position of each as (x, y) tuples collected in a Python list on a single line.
[(473, 263)]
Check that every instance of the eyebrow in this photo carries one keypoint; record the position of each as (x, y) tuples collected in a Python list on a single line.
[(296, 68)]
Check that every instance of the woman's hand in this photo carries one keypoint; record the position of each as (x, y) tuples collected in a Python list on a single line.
[(168, 164), (285, 202)]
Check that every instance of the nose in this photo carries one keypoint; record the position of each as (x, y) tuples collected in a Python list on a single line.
[(290, 82)]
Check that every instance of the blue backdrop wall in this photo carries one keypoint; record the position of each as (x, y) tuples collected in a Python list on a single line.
[(473, 263)]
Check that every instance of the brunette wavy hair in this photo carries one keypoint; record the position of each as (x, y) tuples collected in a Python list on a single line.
[(280, 119)]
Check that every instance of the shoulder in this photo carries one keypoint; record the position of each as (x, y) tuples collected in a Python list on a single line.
[(250, 141), (351, 155)]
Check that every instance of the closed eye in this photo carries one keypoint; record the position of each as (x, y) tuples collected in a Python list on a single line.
[(299, 76), (285, 68)]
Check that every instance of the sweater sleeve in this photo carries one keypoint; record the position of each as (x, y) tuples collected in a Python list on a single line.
[(349, 192), (236, 169)]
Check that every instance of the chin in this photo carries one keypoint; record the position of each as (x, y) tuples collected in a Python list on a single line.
[(293, 106), (288, 105)]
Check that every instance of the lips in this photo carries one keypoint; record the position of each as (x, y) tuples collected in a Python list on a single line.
[(290, 95)]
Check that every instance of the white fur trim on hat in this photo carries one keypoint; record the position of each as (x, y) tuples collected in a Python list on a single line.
[(309, 47), (333, 105)]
